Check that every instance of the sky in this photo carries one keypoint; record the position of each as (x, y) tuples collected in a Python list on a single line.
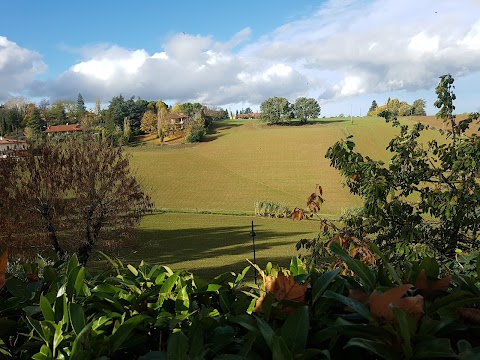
[(236, 54)]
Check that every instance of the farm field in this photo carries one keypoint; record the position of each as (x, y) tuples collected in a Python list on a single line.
[(242, 162)]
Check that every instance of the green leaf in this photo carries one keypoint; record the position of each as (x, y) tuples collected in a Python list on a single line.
[(72, 263), (297, 267), (177, 346), (478, 266), (47, 310), (72, 277), (37, 326), (433, 349), (154, 355), (385, 351), (405, 330), (295, 330), (79, 280), (57, 337), (119, 339), (77, 345), (182, 302), (44, 354), (360, 269), (386, 263), (132, 269), (267, 332), (353, 304), (322, 283), (77, 317), (431, 267)]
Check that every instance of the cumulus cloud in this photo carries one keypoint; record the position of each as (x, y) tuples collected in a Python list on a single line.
[(18, 67), (343, 49)]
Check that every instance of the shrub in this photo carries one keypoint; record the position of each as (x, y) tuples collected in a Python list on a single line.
[(271, 209), (196, 135)]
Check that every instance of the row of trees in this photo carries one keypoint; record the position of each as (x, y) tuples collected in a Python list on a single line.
[(399, 108), (278, 110), (121, 120)]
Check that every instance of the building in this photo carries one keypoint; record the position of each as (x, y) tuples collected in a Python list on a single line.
[(8, 146), (63, 129)]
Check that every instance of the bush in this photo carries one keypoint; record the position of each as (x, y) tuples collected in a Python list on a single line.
[(145, 312), (271, 209), (196, 135)]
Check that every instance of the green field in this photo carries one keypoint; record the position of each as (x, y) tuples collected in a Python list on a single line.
[(242, 162)]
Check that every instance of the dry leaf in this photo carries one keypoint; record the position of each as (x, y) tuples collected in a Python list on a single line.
[(31, 277), (381, 304), (471, 315), (283, 288), (298, 214), (3, 268), (427, 288)]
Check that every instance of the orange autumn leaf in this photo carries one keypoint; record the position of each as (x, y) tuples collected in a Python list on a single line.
[(283, 288), (358, 295), (3, 268), (381, 304), (298, 214), (426, 287)]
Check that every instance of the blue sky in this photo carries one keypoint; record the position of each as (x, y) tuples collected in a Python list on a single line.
[(234, 54)]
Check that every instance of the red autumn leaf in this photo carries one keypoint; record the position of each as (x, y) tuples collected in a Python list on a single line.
[(355, 177), (381, 304), (471, 315), (320, 190), (427, 288), (3, 268), (31, 277), (358, 295)]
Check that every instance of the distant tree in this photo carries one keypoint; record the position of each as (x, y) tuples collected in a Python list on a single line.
[(275, 110), (35, 122), (57, 115), (162, 119), (306, 108), (80, 109), (405, 109), (69, 193), (248, 111), (393, 105), (149, 122), (127, 130), (373, 106), (98, 106), (419, 107), (117, 110)]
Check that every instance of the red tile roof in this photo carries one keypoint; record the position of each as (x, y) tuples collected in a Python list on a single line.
[(5, 141), (63, 128)]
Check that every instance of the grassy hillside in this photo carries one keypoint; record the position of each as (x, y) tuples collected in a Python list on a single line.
[(242, 162)]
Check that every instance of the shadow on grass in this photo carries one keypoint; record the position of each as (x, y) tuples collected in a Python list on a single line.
[(217, 249)]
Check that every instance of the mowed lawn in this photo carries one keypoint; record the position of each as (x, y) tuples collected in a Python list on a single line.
[(244, 161)]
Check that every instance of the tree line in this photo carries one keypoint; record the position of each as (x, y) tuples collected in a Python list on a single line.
[(120, 121), (278, 110), (399, 108)]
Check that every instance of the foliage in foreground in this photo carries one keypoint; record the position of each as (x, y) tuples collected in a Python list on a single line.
[(151, 312), (428, 195)]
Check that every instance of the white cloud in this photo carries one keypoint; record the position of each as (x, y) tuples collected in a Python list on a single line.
[(18, 67), (345, 48)]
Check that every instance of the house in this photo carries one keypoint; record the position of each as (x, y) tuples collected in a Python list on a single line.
[(8, 146), (63, 129), (178, 121)]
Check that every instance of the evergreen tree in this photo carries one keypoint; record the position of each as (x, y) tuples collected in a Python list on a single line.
[(373, 106), (35, 122), (80, 108)]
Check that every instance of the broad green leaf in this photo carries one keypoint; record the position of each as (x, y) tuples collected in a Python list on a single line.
[(44, 354), (79, 281), (386, 263), (405, 330), (431, 267), (37, 326), (77, 317), (77, 345), (57, 337), (182, 302), (267, 332), (47, 310), (385, 351), (295, 330), (72, 277), (119, 339), (154, 355), (322, 283), (353, 304), (72, 263), (61, 309), (177, 346), (132, 269), (296, 266), (433, 349), (241, 276), (360, 269)]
